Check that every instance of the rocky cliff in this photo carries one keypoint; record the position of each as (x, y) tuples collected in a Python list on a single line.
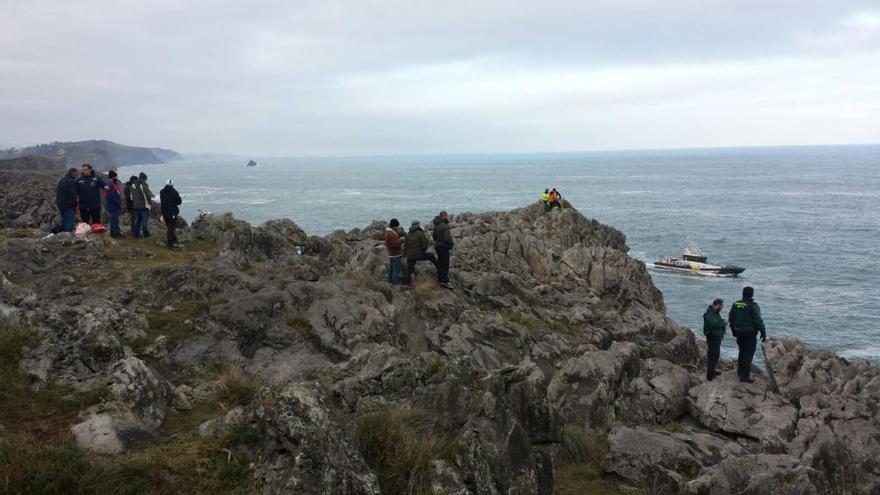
[(103, 155), (236, 365)]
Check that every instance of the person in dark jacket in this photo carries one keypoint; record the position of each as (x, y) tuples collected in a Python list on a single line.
[(88, 189), (394, 244), (170, 200), (416, 249), (113, 203), (713, 328), (745, 324), (140, 203), (129, 207), (65, 199), (443, 245)]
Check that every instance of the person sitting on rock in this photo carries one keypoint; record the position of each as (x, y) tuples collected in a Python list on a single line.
[(88, 190), (416, 249), (170, 200), (745, 324), (65, 199), (545, 198), (140, 202), (443, 244), (394, 245), (555, 200), (113, 203), (713, 328)]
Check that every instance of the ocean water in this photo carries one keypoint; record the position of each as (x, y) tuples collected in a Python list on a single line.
[(804, 221)]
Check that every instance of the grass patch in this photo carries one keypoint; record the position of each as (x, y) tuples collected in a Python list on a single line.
[(399, 443), (172, 324), (235, 389), (581, 458), (534, 323)]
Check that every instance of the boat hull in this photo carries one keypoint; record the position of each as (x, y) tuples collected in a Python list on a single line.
[(706, 270)]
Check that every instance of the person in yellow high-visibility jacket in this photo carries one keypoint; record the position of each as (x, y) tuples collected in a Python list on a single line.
[(545, 197)]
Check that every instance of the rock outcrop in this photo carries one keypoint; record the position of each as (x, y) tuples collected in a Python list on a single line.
[(552, 329)]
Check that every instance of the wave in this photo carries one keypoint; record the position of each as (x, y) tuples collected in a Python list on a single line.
[(871, 353)]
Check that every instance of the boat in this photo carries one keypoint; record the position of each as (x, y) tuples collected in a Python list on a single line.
[(252, 163), (696, 262)]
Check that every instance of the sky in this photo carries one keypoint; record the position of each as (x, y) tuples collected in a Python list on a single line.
[(361, 77)]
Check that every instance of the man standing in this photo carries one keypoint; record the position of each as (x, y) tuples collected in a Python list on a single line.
[(113, 203), (140, 202), (416, 248), (545, 198), (170, 200), (129, 206), (443, 244), (745, 324), (713, 328), (88, 189), (65, 199), (394, 243)]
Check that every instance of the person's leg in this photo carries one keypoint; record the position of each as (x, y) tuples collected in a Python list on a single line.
[(114, 223), (394, 272), (713, 346), (145, 222), (443, 266), (174, 229), (68, 219), (135, 224), (751, 342), (740, 356), (408, 274)]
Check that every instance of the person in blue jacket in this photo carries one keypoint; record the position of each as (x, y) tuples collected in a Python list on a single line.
[(88, 189), (65, 199), (113, 203)]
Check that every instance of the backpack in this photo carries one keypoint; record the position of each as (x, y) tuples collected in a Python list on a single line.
[(97, 228)]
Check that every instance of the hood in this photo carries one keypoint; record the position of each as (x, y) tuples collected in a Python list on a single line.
[(710, 309), (438, 220), (413, 229), (168, 187)]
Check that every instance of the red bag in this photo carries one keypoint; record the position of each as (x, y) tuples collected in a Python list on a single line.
[(97, 228)]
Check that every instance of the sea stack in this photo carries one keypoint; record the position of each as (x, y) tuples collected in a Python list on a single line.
[(252, 163)]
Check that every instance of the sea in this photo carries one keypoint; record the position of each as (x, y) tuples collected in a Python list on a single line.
[(804, 221)]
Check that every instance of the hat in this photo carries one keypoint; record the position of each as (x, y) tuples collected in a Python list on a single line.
[(142, 176), (111, 174), (415, 223), (169, 182)]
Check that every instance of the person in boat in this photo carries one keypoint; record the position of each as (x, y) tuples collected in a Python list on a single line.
[(713, 329), (555, 199), (745, 324), (394, 244), (545, 198), (416, 249)]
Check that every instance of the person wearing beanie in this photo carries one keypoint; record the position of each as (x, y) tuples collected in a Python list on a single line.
[(113, 202), (170, 200), (416, 249), (393, 243), (141, 198), (745, 324)]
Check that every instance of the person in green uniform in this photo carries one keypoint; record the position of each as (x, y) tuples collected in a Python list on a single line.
[(745, 324), (713, 328)]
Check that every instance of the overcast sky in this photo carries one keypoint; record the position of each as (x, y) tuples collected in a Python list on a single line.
[(397, 77)]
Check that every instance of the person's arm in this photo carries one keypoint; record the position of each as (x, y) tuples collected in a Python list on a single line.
[(759, 322), (177, 198)]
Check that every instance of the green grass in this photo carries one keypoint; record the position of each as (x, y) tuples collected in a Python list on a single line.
[(581, 458), (172, 324), (235, 389), (534, 323)]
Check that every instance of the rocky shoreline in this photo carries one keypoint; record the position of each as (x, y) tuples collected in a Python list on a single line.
[(551, 368)]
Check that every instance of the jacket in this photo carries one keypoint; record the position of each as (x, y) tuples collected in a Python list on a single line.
[(66, 193), (416, 243), (88, 190), (745, 319), (393, 242), (713, 324), (140, 195), (113, 196), (545, 197), (127, 194), (442, 234), (170, 200)]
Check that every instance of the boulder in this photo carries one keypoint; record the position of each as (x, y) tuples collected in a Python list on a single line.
[(759, 474)]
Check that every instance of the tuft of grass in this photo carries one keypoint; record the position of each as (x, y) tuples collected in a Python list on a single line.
[(398, 443), (172, 324), (581, 459), (235, 388), (534, 323)]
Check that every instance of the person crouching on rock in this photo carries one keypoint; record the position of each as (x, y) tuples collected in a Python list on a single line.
[(170, 200), (745, 324), (443, 244), (416, 248), (113, 203), (140, 203), (65, 199), (393, 243), (713, 328)]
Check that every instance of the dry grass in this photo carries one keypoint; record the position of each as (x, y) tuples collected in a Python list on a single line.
[(581, 459), (399, 443), (235, 388)]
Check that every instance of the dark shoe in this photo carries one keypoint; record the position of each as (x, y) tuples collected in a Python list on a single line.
[(710, 377), (717, 371), (747, 380)]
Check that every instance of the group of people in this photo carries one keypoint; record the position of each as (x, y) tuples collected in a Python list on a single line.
[(551, 199), (412, 247), (81, 190), (745, 323)]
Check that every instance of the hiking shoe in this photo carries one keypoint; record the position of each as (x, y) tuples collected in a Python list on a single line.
[(747, 380)]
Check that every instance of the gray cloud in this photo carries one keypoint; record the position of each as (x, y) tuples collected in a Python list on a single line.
[(352, 77)]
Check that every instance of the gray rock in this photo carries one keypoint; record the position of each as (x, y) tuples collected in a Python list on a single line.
[(763, 474)]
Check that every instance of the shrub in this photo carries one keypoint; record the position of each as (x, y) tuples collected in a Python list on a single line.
[(235, 388)]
